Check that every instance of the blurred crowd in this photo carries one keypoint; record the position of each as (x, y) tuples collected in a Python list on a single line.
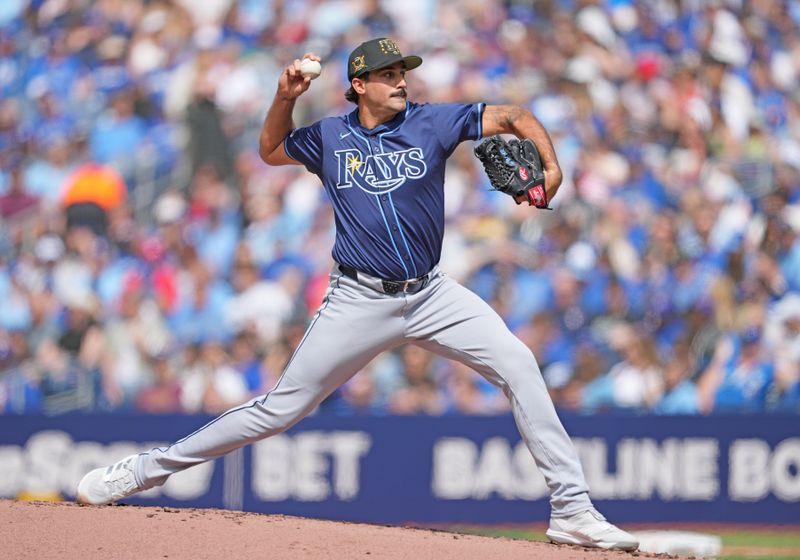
[(150, 261)]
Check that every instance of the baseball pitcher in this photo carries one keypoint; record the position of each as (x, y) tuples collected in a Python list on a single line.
[(383, 167)]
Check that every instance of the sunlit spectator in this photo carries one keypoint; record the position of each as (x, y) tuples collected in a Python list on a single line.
[(163, 396), (680, 392), (212, 385), (738, 377), (635, 382), (419, 393)]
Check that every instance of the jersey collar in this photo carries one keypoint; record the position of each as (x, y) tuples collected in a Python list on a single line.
[(398, 119)]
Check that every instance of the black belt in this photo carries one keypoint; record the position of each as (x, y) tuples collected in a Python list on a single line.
[(386, 286)]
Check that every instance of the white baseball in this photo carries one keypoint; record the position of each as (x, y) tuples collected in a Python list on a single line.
[(310, 68)]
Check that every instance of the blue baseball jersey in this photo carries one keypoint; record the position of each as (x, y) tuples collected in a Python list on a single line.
[(386, 184)]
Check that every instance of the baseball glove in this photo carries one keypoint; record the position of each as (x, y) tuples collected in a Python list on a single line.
[(514, 168)]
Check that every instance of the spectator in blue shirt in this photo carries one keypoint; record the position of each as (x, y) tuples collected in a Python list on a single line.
[(680, 392), (118, 135), (738, 377)]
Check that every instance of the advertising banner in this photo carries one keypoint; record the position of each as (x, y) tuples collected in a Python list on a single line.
[(450, 469)]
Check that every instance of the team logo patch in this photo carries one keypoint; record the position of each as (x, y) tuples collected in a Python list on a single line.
[(379, 173), (388, 46), (358, 63), (354, 163)]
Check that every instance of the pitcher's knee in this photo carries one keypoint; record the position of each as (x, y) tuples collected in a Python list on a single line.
[(517, 357), (518, 365), (274, 420)]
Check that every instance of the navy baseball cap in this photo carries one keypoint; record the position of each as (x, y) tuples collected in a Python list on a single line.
[(377, 53)]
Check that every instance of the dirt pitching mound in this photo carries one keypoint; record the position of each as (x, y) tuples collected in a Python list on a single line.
[(43, 530)]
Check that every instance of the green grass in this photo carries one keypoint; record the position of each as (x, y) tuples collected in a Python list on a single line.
[(763, 544), (774, 539), (737, 544)]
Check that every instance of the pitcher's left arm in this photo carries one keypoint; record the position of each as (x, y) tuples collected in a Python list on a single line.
[(513, 119)]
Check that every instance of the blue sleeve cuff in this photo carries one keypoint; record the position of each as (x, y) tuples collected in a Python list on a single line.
[(286, 147)]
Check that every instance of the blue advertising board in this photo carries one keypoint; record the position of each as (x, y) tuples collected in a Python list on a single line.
[(452, 469)]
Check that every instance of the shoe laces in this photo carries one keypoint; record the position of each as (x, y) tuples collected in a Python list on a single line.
[(600, 527), (120, 478)]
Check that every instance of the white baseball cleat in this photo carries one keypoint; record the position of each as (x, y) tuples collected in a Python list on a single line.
[(108, 484), (589, 528)]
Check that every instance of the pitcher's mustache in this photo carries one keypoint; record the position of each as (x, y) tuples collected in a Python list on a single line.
[(400, 93)]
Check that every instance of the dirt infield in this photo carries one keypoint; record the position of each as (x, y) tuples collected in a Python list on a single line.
[(45, 530)]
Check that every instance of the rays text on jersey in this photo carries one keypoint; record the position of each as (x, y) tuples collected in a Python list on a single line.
[(379, 173)]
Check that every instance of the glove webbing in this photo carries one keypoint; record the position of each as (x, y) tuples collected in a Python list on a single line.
[(503, 170)]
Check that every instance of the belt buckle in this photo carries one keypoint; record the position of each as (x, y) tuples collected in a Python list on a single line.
[(417, 283), (390, 287)]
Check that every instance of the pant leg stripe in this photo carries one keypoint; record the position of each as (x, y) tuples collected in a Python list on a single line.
[(262, 401)]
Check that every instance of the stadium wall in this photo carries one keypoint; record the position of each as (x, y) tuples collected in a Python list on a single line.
[(451, 469)]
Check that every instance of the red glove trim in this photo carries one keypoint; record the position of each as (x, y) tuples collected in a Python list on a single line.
[(537, 196)]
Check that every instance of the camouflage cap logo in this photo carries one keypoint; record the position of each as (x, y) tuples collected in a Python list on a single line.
[(389, 47), (358, 63)]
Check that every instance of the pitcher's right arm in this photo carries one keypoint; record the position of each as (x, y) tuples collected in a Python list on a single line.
[(278, 122)]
